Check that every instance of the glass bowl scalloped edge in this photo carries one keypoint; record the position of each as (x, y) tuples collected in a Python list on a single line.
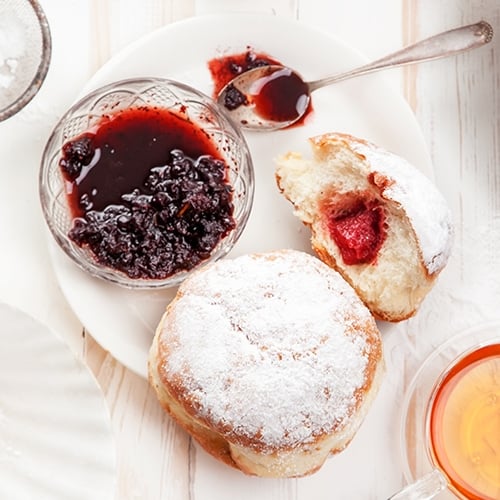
[(163, 92)]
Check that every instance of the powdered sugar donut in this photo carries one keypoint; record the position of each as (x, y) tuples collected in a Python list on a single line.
[(374, 217), (270, 361)]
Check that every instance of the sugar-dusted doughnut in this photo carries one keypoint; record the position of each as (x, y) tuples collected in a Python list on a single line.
[(270, 361), (373, 216)]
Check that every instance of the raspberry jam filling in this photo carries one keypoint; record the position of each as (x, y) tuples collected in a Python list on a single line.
[(357, 226), (148, 192)]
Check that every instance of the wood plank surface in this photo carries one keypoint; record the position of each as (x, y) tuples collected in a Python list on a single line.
[(457, 104)]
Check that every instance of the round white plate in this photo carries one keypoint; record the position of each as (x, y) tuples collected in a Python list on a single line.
[(55, 431), (123, 321)]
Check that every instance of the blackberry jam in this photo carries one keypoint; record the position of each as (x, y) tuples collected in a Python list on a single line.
[(282, 96), (148, 192), (280, 99), (224, 69)]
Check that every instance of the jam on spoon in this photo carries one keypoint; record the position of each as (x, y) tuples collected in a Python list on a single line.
[(225, 68), (275, 97), (279, 95)]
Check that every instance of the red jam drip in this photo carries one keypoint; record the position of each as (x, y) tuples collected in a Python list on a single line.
[(281, 96), (224, 69), (148, 192), (359, 232)]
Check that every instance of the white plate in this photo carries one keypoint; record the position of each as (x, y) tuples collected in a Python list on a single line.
[(123, 321), (55, 433)]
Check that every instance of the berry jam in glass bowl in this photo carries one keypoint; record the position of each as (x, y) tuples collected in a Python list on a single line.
[(145, 180)]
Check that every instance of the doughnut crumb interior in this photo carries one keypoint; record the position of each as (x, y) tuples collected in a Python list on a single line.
[(373, 216)]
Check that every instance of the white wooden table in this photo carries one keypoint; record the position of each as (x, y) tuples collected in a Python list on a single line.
[(457, 104)]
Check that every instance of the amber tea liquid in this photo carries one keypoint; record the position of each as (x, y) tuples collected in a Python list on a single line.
[(464, 424)]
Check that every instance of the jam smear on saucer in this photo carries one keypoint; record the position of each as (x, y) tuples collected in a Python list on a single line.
[(148, 192), (224, 69)]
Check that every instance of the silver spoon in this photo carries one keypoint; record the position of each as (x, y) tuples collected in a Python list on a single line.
[(273, 97)]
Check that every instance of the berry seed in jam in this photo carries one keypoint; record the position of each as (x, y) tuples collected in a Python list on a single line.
[(148, 192), (234, 98)]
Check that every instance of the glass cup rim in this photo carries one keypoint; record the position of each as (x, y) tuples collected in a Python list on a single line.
[(432, 400), (472, 338), (246, 173), (43, 66)]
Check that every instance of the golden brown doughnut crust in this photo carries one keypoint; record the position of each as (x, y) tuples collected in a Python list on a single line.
[(234, 420)]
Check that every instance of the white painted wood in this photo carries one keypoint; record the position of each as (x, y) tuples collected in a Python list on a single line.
[(457, 104)]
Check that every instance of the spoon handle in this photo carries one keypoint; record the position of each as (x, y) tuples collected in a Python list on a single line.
[(441, 45)]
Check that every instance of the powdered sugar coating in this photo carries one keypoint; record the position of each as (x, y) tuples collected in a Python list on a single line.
[(423, 203), (271, 349)]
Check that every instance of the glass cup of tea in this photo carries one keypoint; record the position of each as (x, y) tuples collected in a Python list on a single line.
[(450, 432)]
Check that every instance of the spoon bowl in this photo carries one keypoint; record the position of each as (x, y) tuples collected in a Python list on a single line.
[(274, 97), (266, 98)]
